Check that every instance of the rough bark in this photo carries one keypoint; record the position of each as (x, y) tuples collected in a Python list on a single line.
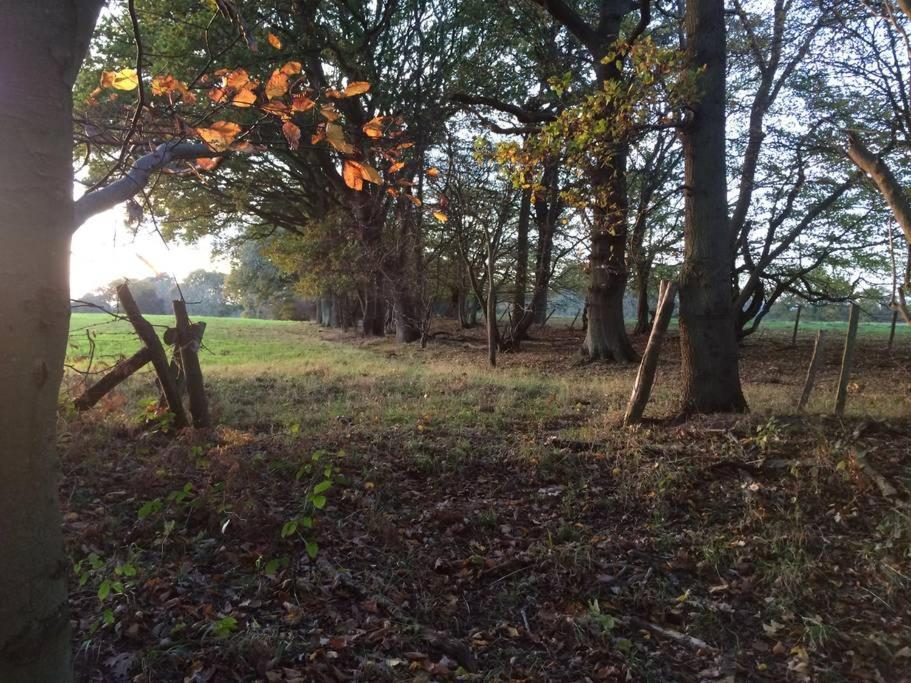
[(708, 342), (847, 361), (521, 280), (188, 340), (493, 331), (41, 47), (643, 312)]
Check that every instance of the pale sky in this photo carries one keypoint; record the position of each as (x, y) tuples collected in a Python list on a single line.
[(104, 249)]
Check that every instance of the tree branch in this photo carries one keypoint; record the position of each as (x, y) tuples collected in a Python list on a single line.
[(119, 191), (884, 179)]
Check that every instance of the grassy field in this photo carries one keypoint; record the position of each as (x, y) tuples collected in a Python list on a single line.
[(369, 511)]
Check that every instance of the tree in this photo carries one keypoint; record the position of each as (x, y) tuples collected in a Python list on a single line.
[(708, 343)]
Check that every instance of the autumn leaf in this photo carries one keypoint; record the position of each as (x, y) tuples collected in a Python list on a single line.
[(414, 200), (351, 174), (277, 84), (328, 111), (374, 127), (292, 134), (274, 41), (318, 137), (218, 95), (125, 79), (276, 108), (301, 102), (396, 167), (433, 172), (206, 164), (219, 135), (244, 98), (291, 68), (237, 79), (356, 88), (440, 216), (333, 93), (369, 173), (336, 137)]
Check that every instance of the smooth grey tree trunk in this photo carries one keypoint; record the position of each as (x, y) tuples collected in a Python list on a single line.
[(42, 43), (708, 341)]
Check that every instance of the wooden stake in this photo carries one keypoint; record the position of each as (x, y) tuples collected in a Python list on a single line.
[(796, 325), (847, 360), (811, 371), (645, 378), (188, 346), (148, 336), (118, 373)]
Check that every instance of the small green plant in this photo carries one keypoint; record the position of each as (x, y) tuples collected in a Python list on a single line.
[(605, 622), (318, 480), (109, 583)]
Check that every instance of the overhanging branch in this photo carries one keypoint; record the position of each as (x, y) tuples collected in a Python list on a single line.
[(104, 198)]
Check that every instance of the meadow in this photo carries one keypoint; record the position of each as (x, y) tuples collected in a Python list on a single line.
[(369, 511)]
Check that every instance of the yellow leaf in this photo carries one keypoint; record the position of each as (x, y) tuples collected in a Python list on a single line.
[(374, 127), (244, 98), (219, 135), (291, 68), (277, 84), (274, 41), (396, 167), (351, 174), (301, 103), (440, 216), (125, 79), (336, 137), (369, 173), (433, 172), (356, 88), (292, 134)]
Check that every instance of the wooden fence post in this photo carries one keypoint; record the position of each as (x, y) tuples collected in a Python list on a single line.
[(148, 336), (811, 371), (120, 372), (642, 388), (796, 325), (847, 359), (188, 340)]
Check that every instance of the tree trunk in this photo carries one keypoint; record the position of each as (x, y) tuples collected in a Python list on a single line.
[(493, 332), (708, 342), (521, 283), (373, 309), (643, 313), (407, 313), (40, 50)]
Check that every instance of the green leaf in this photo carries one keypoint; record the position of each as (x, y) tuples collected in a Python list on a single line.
[(322, 487), (108, 617), (319, 502), (104, 590), (289, 528), (312, 549)]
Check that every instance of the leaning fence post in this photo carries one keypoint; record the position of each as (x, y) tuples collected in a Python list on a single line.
[(148, 336), (846, 361), (811, 371), (188, 340), (645, 378), (796, 325)]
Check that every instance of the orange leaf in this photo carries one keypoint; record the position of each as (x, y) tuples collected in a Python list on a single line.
[(433, 172), (206, 164), (277, 85), (356, 88), (125, 79), (237, 79), (369, 173), (275, 108), (317, 138), (336, 137), (301, 103), (414, 200), (244, 98), (218, 95), (219, 135), (292, 134), (374, 127), (440, 216), (351, 173), (274, 41), (333, 93), (396, 167), (291, 68)]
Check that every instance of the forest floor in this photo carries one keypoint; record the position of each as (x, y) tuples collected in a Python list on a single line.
[(366, 511)]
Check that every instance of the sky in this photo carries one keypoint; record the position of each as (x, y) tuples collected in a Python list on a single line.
[(104, 249)]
